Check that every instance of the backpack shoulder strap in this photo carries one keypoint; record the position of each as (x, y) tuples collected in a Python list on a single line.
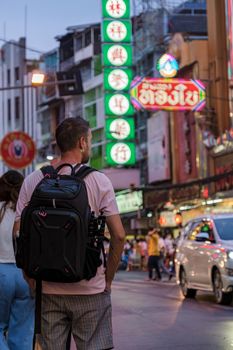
[(48, 170), (84, 171)]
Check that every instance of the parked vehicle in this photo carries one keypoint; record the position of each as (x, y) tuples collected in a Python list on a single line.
[(204, 257)]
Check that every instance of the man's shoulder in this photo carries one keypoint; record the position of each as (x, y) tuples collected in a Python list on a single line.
[(34, 177), (99, 177)]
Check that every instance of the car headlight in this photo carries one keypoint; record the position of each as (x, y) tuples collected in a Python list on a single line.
[(230, 255)]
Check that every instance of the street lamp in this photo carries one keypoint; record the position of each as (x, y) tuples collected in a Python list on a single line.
[(38, 78)]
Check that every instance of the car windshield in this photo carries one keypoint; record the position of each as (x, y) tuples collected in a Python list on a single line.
[(224, 227)]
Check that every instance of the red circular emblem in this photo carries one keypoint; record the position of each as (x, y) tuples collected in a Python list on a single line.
[(17, 149)]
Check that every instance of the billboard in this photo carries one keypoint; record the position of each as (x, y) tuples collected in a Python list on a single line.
[(229, 30), (158, 143), (154, 94)]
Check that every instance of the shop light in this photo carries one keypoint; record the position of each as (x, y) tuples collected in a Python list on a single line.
[(212, 201), (38, 78)]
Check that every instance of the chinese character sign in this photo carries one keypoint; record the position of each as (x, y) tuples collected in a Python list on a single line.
[(116, 8), (117, 31), (118, 105), (120, 128), (117, 55), (117, 62), (168, 94), (117, 79), (120, 153)]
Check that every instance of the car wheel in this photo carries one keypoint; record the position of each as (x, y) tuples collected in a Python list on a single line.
[(220, 296), (187, 292)]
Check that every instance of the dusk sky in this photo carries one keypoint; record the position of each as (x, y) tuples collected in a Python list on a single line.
[(45, 20)]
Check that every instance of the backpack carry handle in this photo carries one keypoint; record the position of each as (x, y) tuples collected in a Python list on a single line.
[(65, 165)]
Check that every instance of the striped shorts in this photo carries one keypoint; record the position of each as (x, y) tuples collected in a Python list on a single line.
[(89, 317)]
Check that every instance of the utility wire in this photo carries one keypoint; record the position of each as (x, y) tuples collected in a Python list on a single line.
[(21, 46)]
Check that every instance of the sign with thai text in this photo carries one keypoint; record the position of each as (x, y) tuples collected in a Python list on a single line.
[(167, 94)]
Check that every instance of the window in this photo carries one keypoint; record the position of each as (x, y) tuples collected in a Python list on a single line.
[(17, 108), (96, 136), (78, 43), (8, 77), (87, 39), (97, 35), (9, 109), (200, 12), (97, 65), (185, 12), (224, 228), (97, 157), (16, 74), (90, 96), (204, 226), (86, 72), (90, 115)]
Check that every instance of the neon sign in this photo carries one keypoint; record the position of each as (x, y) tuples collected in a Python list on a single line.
[(167, 66), (167, 94)]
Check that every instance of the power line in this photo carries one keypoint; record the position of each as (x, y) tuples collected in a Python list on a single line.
[(21, 46)]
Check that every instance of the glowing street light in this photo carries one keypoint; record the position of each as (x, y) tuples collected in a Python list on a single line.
[(37, 78)]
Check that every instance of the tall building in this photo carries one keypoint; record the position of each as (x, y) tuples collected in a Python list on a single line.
[(17, 100)]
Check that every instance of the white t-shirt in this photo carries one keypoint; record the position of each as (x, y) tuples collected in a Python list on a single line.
[(6, 243), (101, 197)]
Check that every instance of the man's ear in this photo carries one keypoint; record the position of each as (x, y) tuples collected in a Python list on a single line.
[(82, 143)]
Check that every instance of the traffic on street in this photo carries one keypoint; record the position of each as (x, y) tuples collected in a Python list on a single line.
[(155, 316)]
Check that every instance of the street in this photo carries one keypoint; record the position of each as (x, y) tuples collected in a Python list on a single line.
[(153, 315)]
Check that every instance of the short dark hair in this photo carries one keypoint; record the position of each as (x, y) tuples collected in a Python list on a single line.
[(69, 131)]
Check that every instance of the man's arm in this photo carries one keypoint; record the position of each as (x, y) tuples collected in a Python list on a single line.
[(117, 241)]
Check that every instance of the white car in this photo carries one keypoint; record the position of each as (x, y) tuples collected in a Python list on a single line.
[(204, 257)]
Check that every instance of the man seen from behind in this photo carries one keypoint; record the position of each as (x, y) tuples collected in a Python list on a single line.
[(83, 307)]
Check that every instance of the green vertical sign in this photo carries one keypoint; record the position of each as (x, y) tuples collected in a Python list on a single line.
[(120, 129), (118, 79), (123, 153), (117, 31), (116, 8)]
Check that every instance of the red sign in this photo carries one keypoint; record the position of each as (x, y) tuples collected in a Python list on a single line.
[(17, 149), (167, 94)]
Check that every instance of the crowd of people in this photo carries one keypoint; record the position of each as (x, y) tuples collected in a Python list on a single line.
[(153, 253)]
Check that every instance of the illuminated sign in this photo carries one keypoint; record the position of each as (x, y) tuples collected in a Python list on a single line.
[(117, 31), (120, 128), (121, 153), (117, 58), (116, 8), (167, 66), (167, 94), (117, 55), (118, 105), (17, 150), (117, 79), (129, 202)]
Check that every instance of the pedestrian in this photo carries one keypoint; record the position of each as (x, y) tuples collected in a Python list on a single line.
[(83, 307), (162, 254), (170, 251), (153, 253), (16, 301), (143, 253)]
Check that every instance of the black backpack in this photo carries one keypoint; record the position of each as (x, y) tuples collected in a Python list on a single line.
[(60, 238)]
